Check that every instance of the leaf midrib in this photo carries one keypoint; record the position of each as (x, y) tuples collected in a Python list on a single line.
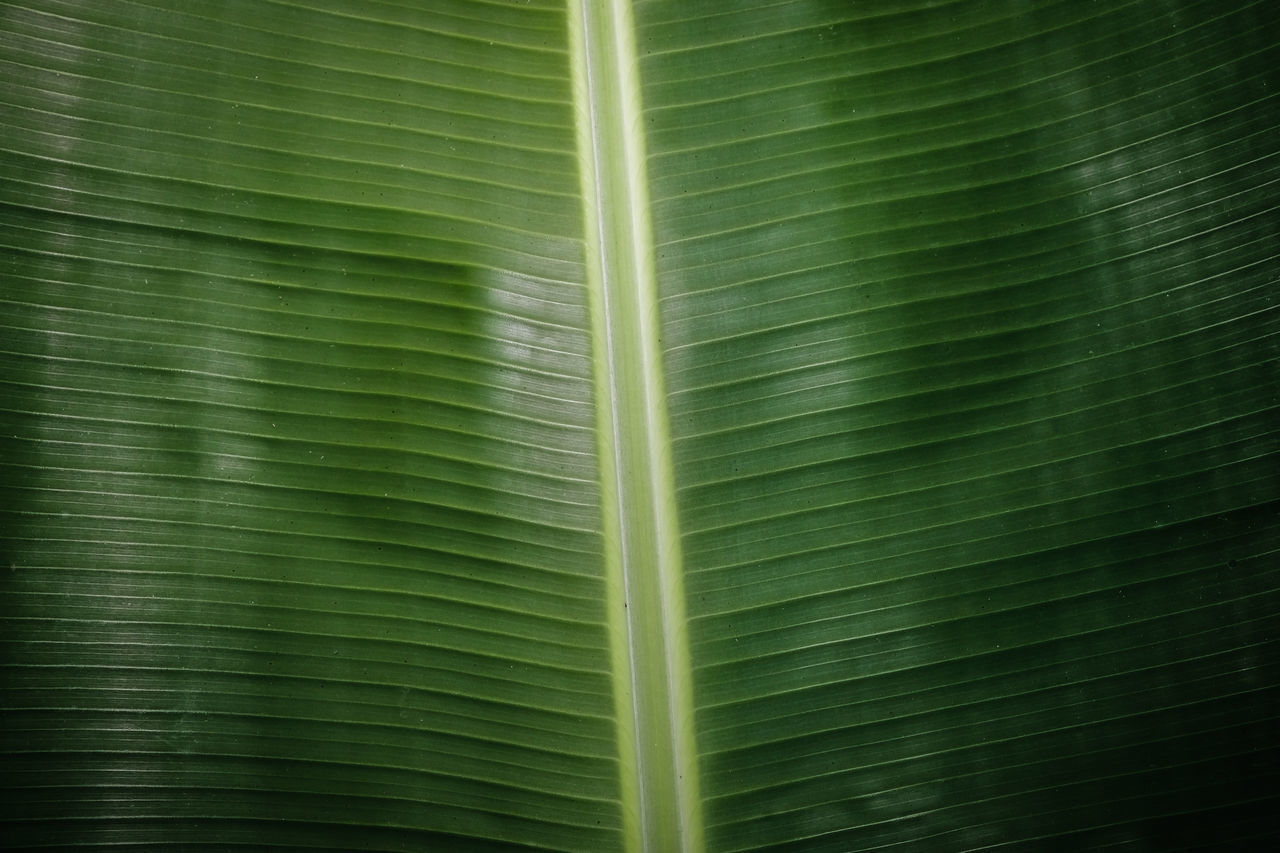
[(652, 680)]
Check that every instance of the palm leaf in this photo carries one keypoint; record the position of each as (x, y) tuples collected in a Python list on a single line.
[(478, 425)]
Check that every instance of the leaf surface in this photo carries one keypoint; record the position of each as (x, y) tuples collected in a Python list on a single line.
[(800, 426)]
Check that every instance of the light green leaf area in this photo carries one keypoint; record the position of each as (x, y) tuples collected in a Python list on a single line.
[(673, 425)]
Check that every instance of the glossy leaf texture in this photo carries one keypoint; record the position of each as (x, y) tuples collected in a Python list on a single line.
[(971, 322), (303, 521), (968, 334)]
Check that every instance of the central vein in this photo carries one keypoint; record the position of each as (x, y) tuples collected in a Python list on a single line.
[(652, 679)]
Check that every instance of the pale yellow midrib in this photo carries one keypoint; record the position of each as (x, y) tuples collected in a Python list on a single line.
[(650, 658)]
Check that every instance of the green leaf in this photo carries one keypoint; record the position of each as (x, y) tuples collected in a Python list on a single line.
[(597, 426)]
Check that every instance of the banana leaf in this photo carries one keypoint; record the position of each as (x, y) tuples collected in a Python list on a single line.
[(804, 425)]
